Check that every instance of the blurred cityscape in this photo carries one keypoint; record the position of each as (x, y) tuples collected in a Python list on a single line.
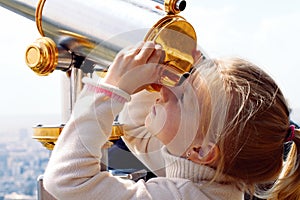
[(22, 160)]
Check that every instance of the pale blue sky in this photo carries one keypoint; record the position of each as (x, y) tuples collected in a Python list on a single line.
[(265, 32)]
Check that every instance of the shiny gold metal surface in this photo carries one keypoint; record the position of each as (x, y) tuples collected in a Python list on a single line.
[(41, 56), (47, 135), (178, 39), (117, 131), (38, 16), (101, 74)]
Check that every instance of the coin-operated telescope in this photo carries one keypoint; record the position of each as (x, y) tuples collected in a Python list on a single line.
[(81, 37)]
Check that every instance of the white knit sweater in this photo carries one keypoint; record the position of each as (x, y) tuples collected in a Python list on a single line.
[(73, 171)]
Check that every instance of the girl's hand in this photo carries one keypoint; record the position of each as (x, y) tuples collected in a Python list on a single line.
[(135, 67)]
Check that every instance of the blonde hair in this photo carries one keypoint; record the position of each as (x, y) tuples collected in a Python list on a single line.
[(249, 121)]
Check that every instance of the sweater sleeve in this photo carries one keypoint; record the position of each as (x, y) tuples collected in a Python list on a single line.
[(73, 171), (145, 146)]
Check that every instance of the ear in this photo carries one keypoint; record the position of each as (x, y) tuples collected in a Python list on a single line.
[(205, 156)]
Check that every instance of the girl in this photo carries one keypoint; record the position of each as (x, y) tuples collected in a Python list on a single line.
[(219, 134)]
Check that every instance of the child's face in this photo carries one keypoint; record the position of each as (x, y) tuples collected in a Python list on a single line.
[(174, 117), (164, 117)]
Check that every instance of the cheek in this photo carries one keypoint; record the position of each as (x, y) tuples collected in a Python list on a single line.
[(170, 126), (155, 121)]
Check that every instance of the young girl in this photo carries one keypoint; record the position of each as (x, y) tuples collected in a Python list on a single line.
[(218, 135)]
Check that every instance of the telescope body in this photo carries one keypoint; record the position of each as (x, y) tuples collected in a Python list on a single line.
[(96, 30), (82, 37)]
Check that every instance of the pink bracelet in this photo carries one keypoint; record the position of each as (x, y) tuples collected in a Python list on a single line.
[(106, 92)]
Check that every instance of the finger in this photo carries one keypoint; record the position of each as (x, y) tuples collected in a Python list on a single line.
[(146, 52), (131, 50), (157, 55), (135, 49)]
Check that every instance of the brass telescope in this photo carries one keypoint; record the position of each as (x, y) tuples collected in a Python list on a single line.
[(81, 37)]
